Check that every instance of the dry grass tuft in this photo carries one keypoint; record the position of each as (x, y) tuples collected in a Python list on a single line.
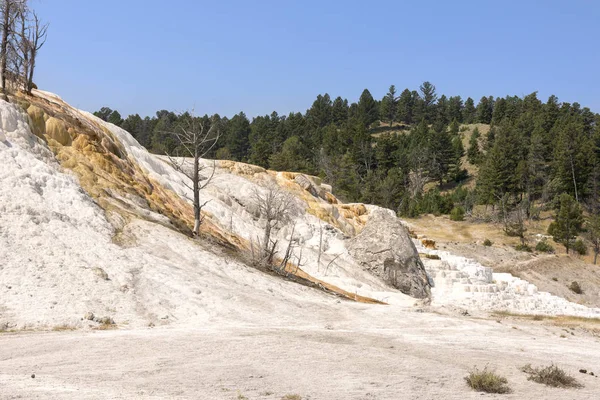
[(291, 397), (487, 381), (559, 320), (63, 327), (551, 376)]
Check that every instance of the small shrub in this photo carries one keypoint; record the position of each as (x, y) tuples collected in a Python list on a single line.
[(544, 247), (63, 327), (523, 247), (555, 279), (487, 242), (575, 288), (487, 381), (291, 397), (551, 376), (457, 214), (580, 247)]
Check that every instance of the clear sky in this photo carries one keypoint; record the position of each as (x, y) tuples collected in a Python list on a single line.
[(140, 56)]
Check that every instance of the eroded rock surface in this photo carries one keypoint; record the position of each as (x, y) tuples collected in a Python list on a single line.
[(384, 248)]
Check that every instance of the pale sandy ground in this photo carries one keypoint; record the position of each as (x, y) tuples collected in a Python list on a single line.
[(385, 354)]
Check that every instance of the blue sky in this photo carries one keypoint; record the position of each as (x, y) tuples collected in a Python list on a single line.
[(139, 56)]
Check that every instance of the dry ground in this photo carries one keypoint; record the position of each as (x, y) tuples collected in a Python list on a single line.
[(419, 356)]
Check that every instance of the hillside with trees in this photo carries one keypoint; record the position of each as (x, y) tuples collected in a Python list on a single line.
[(407, 152)]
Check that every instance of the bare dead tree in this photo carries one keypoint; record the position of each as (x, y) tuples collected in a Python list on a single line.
[(331, 262), (23, 35), (273, 204), (37, 38), (320, 245), (289, 251), (8, 14), (417, 180), (195, 140), (23, 44)]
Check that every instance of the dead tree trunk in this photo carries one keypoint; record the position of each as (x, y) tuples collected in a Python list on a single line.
[(194, 141), (6, 30), (196, 189), (24, 47), (274, 205), (37, 40)]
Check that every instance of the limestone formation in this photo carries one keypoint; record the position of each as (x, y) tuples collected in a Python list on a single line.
[(57, 130), (37, 121), (385, 249)]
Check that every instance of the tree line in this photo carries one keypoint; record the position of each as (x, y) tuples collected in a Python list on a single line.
[(405, 151)]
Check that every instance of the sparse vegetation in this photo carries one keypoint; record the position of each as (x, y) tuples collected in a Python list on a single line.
[(568, 221), (544, 247), (487, 242), (292, 397), (523, 247), (579, 247), (430, 256), (488, 381), (457, 214), (63, 327), (551, 375), (274, 205), (558, 320), (575, 287)]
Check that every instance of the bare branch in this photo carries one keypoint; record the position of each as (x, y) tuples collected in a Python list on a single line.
[(196, 142)]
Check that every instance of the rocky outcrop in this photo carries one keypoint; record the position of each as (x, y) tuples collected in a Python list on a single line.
[(385, 249)]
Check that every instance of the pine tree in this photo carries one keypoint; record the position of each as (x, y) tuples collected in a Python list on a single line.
[(320, 114), (537, 165), (133, 125), (294, 156), (497, 176), (389, 106), (367, 111), (391, 189), (405, 107), (429, 98), (469, 111), (567, 222), (499, 112), (455, 108), (442, 154), (573, 156), (485, 110), (339, 111), (550, 113), (103, 113), (473, 153), (454, 127), (441, 109), (458, 150), (236, 138), (115, 118), (593, 234)]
